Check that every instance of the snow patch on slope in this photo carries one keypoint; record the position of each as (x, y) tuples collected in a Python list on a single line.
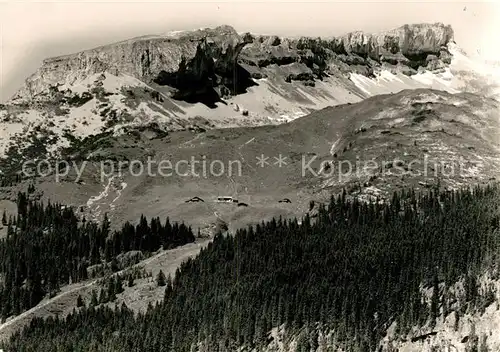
[(119, 193), (101, 195), (457, 77), (110, 82), (17, 122), (105, 201), (7, 131), (85, 121), (80, 121), (387, 82)]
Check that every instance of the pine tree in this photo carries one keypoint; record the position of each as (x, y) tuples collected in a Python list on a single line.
[(102, 297), (168, 288), (118, 285), (303, 344), (79, 301), (93, 299), (161, 279), (435, 300), (111, 294)]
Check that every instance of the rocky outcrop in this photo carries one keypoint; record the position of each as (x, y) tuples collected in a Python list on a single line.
[(410, 46), (187, 61), (207, 64), (408, 40)]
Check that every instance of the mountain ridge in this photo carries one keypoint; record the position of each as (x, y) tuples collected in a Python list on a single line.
[(218, 78), (143, 58)]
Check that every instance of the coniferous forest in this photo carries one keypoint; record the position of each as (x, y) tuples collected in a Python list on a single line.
[(48, 246), (355, 269)]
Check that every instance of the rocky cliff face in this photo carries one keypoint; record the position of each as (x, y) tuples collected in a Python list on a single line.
[(406, 49), (219, 62), (408, 40), (184, 61)]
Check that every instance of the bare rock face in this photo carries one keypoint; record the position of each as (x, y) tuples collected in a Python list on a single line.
[(268, 50), (201, 59), (410, 46), (409, 40), (207, 64)]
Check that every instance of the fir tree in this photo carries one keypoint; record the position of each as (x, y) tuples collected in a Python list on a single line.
[(103, 298), (161, 279), (79, 302), (93, 299), (130, 281)]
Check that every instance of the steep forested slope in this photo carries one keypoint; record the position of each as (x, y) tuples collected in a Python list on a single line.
[(354, 270), (48, 246)]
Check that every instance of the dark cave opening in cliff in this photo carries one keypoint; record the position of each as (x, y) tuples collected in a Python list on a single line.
[(416, 60), (207, 89), (242, 80), (208, 97), (190, 88)]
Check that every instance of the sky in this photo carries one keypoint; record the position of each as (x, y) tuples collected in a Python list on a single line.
[(32, 31)]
